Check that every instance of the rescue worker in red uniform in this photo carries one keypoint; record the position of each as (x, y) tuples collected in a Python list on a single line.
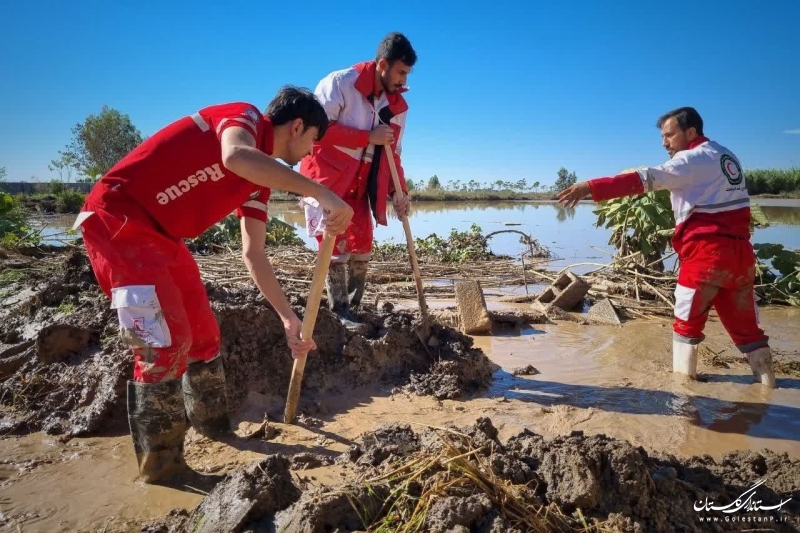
[(367, 110), (175, 185), (712, 239)]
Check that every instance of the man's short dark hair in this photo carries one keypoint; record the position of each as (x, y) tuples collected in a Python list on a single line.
[(687, 117), (396, 47), (297, 102)]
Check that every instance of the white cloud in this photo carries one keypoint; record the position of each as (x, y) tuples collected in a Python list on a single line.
[(792, 132)]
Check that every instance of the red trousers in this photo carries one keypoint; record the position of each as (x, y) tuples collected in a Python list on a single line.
[(718, 271), (356, 242), (155, 286)]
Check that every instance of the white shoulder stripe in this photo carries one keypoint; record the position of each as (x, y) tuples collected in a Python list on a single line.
[(201, 122), (237, 119)]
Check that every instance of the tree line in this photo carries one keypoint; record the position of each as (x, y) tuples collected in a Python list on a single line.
[(564, 179), (101, 140)]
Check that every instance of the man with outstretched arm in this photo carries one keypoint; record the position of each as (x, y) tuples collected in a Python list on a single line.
[(367, 110), (712, 238), (175, 185)]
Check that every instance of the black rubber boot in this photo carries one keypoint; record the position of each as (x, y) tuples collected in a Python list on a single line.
[(356, 281), (336, 284), (158, 425), (204, 394)]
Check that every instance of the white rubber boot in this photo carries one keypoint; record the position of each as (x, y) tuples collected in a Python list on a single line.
[(761, 364), (684, 358)]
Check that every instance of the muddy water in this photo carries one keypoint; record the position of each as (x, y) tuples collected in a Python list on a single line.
[(617, 381), (569, 233), (596, 379), (47, 485)]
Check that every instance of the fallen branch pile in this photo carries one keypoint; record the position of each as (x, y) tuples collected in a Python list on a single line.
[(294, 266)]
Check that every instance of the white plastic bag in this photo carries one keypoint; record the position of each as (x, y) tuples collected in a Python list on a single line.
[(315, 216)]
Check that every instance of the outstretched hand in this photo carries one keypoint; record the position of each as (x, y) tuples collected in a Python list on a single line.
[(574, 194)]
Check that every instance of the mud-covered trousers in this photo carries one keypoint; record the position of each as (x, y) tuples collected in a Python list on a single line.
[(718, 271), (155, 287)]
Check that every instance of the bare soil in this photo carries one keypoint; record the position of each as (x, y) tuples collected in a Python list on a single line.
[(580, 480)]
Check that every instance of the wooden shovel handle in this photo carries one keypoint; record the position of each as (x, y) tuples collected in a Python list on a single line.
[(423, 306), (309, 319)]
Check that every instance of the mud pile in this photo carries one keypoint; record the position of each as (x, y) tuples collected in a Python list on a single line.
[(386, 349), (465, 479), (63, 368)]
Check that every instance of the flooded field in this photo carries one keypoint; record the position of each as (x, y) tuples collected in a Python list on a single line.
[(569, 233), (599, 380)]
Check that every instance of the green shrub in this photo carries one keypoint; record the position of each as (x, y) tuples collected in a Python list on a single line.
[(14, 230), (69, 201)]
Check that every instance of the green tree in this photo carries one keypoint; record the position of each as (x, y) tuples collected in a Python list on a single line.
[(101, 141), (535, 186), (2, 173), (63, 166), (411, 185), (433, 183), (565, 179)]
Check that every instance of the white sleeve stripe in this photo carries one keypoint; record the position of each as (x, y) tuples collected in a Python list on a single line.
[(732, 205), (256, 205), (242, 120), (201, 122)]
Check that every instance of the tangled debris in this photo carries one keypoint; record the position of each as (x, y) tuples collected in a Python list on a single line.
[(465, 479), (63, 368)]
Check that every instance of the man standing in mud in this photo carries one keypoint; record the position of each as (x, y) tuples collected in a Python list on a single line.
[(712, 238), (367, 112), (175, 185)]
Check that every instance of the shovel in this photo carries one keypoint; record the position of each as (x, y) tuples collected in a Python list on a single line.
[(423, 306), (309, 319)]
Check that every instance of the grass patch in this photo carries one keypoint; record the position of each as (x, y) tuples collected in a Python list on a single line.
[(11, 275), (65, 307)]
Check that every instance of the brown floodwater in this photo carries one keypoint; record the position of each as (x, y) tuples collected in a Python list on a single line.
[(597, 379)]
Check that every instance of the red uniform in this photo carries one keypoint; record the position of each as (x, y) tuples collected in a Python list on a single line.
[(712, 238), (345, 162), (172, 186)]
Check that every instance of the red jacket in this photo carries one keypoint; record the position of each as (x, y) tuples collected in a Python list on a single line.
[(707, 190), (341, 161)]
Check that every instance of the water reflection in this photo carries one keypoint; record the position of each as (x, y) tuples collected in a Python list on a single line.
[(570, 234), (782, 215), (724, 416)]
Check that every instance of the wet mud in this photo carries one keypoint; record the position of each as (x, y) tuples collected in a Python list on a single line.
[(64, 366), (562, 483), (638, 462)]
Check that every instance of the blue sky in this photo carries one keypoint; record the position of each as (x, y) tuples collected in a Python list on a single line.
[(509, 91)]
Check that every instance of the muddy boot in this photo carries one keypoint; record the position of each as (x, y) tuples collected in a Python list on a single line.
[(356, 281), (204, 395), (157, 420), (684, 358), (761, 364), (336, 284)]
